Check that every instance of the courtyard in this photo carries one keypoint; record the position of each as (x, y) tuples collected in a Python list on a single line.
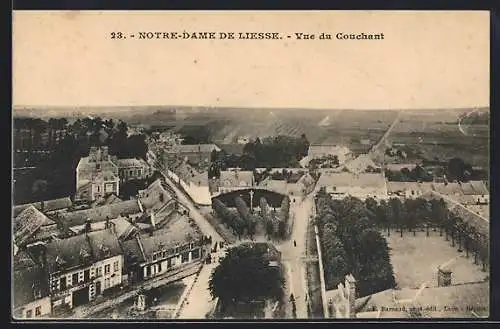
[(415, 260)]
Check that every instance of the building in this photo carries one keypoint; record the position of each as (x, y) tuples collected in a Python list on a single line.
[(194, 182), (130, 169), (46, 207), (361, 186), (31, 226), (341, 301), (82, 267), (163, 251), (129, 208), (233, 180), (193, 154), (322, 151), (100, 174), (96, 175), (408, 190), (31, 298)]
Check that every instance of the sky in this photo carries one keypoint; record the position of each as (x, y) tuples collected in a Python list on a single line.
[(426, 60)]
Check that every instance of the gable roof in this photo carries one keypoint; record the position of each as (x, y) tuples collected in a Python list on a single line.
[(155, 196), (398, 187), (474, 188), (49, 205), (26, 275), (126, 163), (344, 179), (123, 228), (67, 253), (28, 222), (101, 213), (177, 232)]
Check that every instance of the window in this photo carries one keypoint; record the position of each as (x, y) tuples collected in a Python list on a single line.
[(154, 257), (74, 279), (107, 269), (62, 283), (38, 311), (159, 267), (99, 271), (29, 314), (139, 172), (185, 257), (115, 266), (98, 188), (106, 283), (131, 173), (86, 275), (195, 254), (98, 166)]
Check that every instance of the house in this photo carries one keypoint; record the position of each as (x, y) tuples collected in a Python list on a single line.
[(110, 199), (232, 180), (120, 226), (96, 175), (31, 226), (194, 182), (408, 190), (361, 186), (129, 208), (321, 151), (46, 207), (129, 169), (193, 154), (100, 174), (235, 149), (82, 267), (30, 295), (151, 255), (476, 192)]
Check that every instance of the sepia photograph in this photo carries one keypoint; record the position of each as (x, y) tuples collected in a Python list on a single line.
[(250, 165)]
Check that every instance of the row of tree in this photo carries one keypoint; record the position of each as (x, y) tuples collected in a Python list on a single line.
[(271, 152), (277, 224), (412, 215), (417, 174), (352, 244)]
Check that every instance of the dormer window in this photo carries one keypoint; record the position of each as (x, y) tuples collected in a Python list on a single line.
[(104, 250)]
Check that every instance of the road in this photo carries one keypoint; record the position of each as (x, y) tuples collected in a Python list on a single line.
[(387, 133), (294, 259), (205, 227), (199, 302)]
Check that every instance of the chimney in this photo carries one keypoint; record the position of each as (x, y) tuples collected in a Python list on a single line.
[(350, 284), (444, 277)]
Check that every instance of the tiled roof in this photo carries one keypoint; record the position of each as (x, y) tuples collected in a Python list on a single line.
[(132, 253), (125, 163), (447, 188), (396, 187), (352, 180), (122, 227), (150, 198), (68, 253), (28, 222), (475, 188), (176, 232), (102, 213), (49, 205)]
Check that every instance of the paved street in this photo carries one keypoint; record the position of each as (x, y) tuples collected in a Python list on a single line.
[(294, 260), (199, 301)]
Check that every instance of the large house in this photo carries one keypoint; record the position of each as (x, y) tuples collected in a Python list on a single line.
[(96, 175), (162, 251), (46, 207), (361, 186), (100, 174), (194, 154), (82, 267)]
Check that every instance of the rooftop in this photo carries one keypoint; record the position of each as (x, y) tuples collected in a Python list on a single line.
[(49, 205), (201, 148), (236, 178), (344, 179), (28, 222), (101, 213)]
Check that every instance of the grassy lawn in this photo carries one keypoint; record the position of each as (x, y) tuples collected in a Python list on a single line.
[(415, 260)]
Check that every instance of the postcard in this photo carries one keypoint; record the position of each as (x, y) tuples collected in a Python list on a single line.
[(250, 165)]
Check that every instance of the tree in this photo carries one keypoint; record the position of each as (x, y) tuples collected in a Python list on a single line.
[(456, 168), (244, 275)]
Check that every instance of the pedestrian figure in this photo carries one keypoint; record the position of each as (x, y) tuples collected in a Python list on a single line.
[(292, 299), (294, 243)]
